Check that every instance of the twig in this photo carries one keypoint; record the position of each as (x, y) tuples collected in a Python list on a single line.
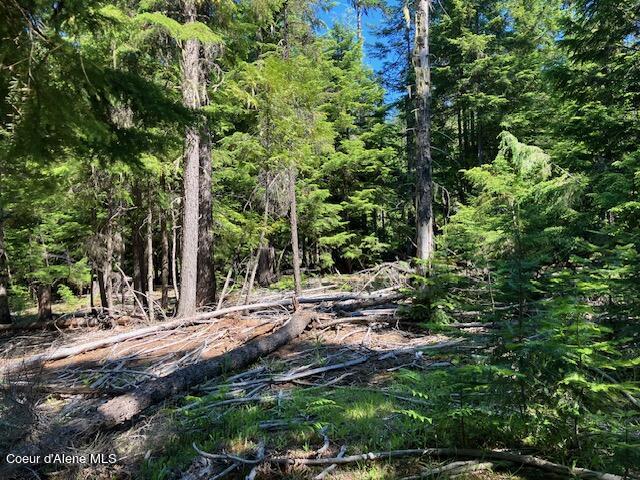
[(226, 471), (226, 457), (259, 458), (454, 468), (325, 444), (331, 467)]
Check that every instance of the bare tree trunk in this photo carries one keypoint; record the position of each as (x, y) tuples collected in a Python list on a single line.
[(424, 186), (190, 98), (104, 303), (164, 302), (294, 234), (408, 103), (139, 264), (206, 272), (107, 266), (174, 253), (92, 295), (43, 292), (5, 313), (149, 252)]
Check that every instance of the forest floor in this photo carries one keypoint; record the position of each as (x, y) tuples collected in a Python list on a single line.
[(347, 385)]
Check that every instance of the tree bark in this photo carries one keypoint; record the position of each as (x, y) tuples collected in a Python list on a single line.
[(149, 254), (104, 303), (174, 253), (190, 223), (107, 265), (5, 313), (206, 272), (266, 265), (139, 264), (293, 214), (424, 185), (164, 301), (43, 292)]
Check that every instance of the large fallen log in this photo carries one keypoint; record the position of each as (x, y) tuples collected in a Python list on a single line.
[(64, 352), (128, 406)]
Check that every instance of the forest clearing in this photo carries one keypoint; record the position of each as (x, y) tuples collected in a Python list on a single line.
[(304, 239)]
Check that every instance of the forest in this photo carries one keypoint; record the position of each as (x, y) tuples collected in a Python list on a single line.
[(315, 239)]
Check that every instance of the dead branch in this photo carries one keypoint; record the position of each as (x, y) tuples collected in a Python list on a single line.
[(525, 460), (128, 406), (183, 322), (333, 466)]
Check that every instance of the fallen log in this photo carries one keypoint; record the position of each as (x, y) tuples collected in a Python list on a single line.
[(70, 351), (70, 322), (524, 460), (359, 301), (462, 325), (128, 406), (125, 407)]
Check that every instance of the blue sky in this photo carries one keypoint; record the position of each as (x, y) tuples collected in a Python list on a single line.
[(343, 12)]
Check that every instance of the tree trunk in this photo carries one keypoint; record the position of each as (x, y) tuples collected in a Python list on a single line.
[(174, 253), (107, 267), (104, 303), (294, 233), (164, 302), (190, 98), (43, 293), (206, 272), (92, 295), (424, 186), (5, 313), (149, 255), (266, 265), (139, 265)]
